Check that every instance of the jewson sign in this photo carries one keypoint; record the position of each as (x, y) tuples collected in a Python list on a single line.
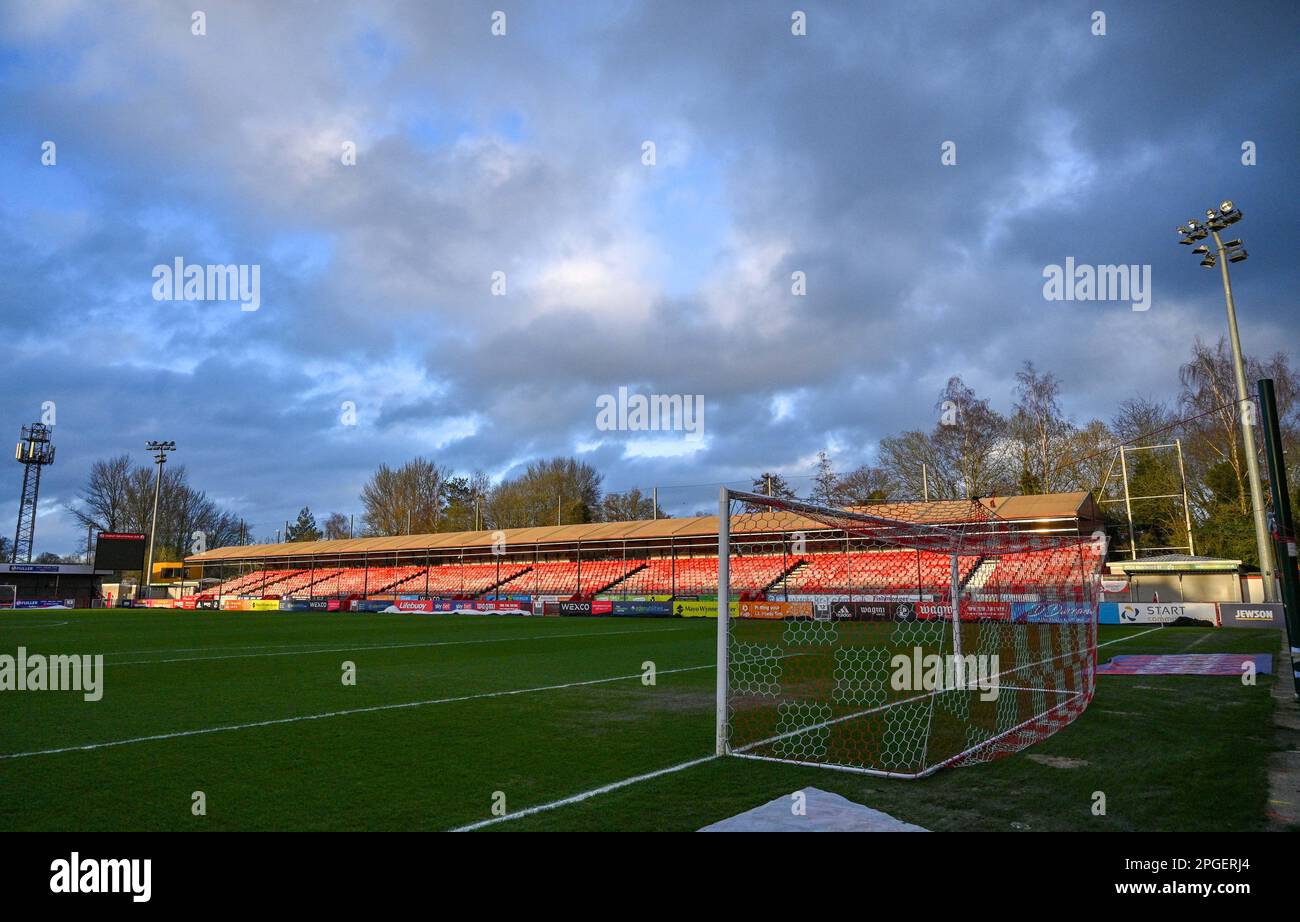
[(1257, 614)]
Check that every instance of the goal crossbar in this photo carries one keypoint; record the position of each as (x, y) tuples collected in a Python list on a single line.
[(982, 591)]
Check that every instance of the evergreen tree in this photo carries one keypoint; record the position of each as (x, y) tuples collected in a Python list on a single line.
[(305, 528)]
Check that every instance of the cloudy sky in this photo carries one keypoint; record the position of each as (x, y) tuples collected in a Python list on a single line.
[(524, 154)]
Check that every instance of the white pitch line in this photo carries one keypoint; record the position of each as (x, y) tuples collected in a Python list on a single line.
[(344, 713), (626, 782), (1129, 636), (576, 798), (244, 646), (388, 646)]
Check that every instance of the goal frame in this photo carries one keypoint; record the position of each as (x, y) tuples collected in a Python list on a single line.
[(722, 729), (13, 598)]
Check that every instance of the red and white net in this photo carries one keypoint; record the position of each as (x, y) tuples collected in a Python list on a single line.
[(843, 650)]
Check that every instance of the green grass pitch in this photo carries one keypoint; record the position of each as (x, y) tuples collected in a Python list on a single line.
[(540, 710)]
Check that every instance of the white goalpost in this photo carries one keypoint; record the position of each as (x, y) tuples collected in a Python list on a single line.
[(9, 592), (892, 646)]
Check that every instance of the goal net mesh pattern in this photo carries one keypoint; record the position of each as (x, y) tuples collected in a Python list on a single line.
[(842, 647)]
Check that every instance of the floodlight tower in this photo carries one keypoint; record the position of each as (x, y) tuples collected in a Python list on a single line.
[(33, 453), (1217, 219), (160, 450)]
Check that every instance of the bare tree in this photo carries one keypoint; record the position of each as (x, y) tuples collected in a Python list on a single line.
[(558, 490), (969, 442), (864, 485), (410, 496), (630, 506), (118, 497), (106, 496), (912, 462), (1041, 429), (1090, 452), (335, 527), (823, 490), (1142, 421)]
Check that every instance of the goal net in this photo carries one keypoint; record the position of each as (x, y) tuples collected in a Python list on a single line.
[(841, 645)]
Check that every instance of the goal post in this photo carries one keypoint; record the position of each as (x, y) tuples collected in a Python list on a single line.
[(8, 595), (724, 613), (897, 644)]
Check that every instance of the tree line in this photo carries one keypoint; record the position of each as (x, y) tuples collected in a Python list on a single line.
[(422, 496), (972, 450), (118, 496)]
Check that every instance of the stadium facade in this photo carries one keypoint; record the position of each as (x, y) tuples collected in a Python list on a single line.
[(650, 560)]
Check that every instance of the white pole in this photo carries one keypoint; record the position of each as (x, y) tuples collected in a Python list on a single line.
[(1246, 412), (1187, 511), (724, 613), (153, 526), (1128, 503), (956, 622)]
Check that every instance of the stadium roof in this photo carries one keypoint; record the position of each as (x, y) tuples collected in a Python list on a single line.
[(1042, 507), (1175, 563)]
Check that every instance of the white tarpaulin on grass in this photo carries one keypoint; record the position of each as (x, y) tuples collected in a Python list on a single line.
[(812, 810)]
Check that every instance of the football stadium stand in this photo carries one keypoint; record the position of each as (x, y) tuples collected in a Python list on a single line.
[(659, 558)]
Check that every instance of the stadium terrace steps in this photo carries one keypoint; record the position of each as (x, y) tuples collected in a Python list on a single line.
[(980, 575), (784, 575), (305, 580), (471, 579), (565, 577), (496, 587), (257, 579), (883, 572), (666, 576), (880, 572)]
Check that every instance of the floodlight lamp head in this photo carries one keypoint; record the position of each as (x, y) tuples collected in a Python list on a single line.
[(1201, 249), (1237, 256), (1226, 206), (1209, 261)]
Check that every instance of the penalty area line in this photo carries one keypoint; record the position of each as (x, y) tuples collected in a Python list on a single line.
[(364, 647), (585, 795)]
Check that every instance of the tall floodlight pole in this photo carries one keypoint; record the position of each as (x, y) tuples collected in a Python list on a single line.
[(33, 453), (160, 450), (1195, 231)]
